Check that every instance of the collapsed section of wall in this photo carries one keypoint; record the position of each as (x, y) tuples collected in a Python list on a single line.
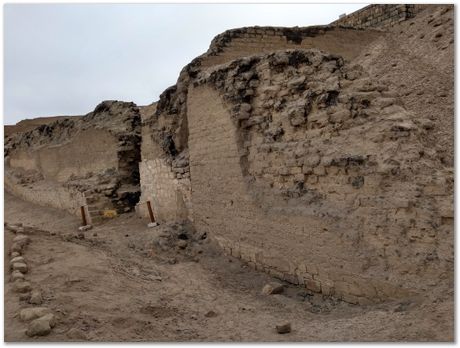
[(307, 169), (90, 161)]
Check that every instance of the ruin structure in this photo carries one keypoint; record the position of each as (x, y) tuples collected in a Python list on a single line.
[(89, 161), (310, 153)]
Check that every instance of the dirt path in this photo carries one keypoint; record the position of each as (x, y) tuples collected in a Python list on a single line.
[(116, 285)]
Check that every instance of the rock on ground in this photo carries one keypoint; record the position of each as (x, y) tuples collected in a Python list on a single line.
[(36, 297), (16, 247), (19, 259), (21, 239), (283, 328), (22, 286), (17, 275), (273, 288), (19, 266), (41, 326)]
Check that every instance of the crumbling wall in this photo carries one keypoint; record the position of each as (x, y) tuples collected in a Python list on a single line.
[(30, 124), (241, 42), (95, 157), (93, 150), (380, 16), (164, 172), (307, 169), (45, 193)]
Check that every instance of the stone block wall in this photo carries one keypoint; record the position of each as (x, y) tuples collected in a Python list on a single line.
[(380, 16), (169, 196)]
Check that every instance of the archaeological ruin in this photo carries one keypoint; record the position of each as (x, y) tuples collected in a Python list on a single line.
[(322, 156)]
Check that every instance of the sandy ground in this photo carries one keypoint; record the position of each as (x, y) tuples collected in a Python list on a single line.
[(117, 285)]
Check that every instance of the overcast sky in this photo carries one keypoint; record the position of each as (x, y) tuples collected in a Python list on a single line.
[(63, 59)]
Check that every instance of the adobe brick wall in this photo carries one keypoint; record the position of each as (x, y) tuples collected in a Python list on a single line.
[(95, 157), (237, 43), (165, 128), (92, 151), (380, 16), (47, 193), (312, 173)]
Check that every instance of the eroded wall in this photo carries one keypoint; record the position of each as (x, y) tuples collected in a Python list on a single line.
[(92, 161), (307, 169), (164, 172), (241, 42), (46, 193), (380, 16), (92, 151)]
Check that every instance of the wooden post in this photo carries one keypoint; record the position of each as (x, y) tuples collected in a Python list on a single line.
[(149, 206), (83, 215)]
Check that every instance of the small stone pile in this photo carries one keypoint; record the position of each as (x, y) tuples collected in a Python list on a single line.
[(40, 319)]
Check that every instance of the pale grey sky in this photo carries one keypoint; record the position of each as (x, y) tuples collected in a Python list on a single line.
[(63, 59)]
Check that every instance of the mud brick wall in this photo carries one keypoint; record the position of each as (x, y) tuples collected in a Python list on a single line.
[(165, 181), (96, 155), (45, 193), (93, 151), (242, 42), (379, 16), (317, 175)]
